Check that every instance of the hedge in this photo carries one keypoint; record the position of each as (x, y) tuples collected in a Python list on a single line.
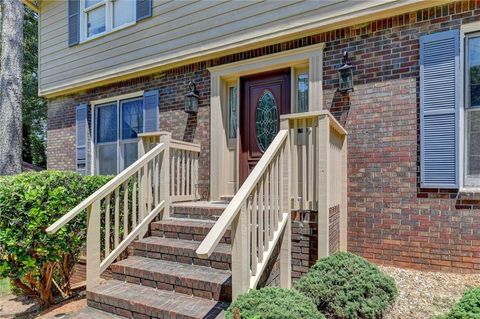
[(467, 308), (346, 286), (272, 303), (29, 203)]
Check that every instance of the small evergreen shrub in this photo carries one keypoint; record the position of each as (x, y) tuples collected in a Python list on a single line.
[(272, 303), (467, 308), (347, 286), (29, 203)]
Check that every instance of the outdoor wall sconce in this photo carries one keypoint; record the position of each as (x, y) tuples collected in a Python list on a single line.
[(346, 74), (191, 99)]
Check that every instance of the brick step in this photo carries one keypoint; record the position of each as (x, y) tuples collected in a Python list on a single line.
[(199, 281), (198, 210), (188, 229), (135, 301), (182, 251)]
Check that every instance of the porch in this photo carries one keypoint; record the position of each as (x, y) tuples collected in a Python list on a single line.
[(148, 227)]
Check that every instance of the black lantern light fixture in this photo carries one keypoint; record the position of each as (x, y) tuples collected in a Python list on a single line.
[(191, 99), (346, 74)]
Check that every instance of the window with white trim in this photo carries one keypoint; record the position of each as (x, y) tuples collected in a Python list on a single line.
[(116, 126), (472, 111), (102, 16)]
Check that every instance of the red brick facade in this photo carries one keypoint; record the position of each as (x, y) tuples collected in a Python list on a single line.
[(391, 219)]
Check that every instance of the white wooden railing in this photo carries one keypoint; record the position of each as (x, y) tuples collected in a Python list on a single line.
[(258, 216), (318, 152), (304, 168), (183, 164), (122, 209)]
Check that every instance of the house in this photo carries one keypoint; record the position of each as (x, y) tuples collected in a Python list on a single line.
[(227, 121)]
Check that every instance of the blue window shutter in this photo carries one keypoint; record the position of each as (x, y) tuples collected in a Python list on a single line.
[(439, 107), (150, 111), (144, 9), (73, 22), (81, 138)]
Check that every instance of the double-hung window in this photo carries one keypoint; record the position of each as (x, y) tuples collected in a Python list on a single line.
[(117, 125), (472, 111), (101, 16)]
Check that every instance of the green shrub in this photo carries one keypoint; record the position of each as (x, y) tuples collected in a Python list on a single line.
[(29, 203), (272, 303), (347, 286), (467, 308)]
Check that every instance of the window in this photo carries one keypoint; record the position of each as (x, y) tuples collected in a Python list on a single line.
[(232, 102), (302, 92), (300, 89), (101, 16), (472, 112), (117, 125)]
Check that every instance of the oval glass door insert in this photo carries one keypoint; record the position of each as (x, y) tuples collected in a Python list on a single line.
[(266, 120)]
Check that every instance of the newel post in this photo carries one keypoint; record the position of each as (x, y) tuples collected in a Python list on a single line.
[(165, 174), (93, 245), (323, 184), (240, 255), (285, 195)]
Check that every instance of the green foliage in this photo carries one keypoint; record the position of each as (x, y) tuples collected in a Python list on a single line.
[(467, 308), (29, 203), (272, 303), (347, 286)]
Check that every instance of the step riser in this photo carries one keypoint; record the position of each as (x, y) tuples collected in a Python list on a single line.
[(201, 213), (136, 308), (197, 288), (185, 232), (215, 261)]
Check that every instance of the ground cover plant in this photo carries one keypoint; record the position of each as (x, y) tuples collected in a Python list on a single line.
[(272, 303), (467, 308), (346, 286)]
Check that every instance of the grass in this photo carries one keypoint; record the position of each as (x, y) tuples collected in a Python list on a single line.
[(4, 287)]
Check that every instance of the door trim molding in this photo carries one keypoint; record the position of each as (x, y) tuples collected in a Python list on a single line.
[(224, 168)]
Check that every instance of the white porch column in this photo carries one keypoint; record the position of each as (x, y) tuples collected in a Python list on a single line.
[(217, 139), (315, 79)]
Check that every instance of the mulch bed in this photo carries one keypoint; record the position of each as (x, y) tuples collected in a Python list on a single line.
[(426, 294)]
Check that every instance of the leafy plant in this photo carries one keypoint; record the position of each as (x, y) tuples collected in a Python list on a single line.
[(272, 303), (467, 308), (347, 286), (29, 203)]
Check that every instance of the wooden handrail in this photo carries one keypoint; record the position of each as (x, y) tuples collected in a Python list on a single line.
[(106, 189), (212, 239)]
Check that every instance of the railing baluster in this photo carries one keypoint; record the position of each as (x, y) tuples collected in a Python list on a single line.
[(125, 209), (254, 252), (179, 175), (117, 217), (187, 166), (134, 201), (271, 200), (275, 193), (184, 172), (261, 230), (107, 225)]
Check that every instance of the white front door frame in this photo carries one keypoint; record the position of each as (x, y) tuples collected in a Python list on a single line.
[(224, 153)]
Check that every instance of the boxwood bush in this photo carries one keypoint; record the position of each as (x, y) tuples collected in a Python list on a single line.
[(347, 286), (467, 308), (29, 203), (272, 303)]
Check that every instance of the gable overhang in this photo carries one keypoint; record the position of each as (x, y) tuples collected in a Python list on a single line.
[(381, 10)]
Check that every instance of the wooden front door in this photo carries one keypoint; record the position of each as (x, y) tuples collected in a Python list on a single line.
[(263, 97)]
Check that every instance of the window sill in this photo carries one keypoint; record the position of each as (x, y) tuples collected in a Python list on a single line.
[(469, 190), (101, 35)]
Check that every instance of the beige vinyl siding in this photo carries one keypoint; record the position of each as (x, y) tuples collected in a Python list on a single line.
[(177, 29)]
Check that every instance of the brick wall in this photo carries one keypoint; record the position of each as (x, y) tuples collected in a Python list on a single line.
[(391, 219), (304, 242), (334, 229)]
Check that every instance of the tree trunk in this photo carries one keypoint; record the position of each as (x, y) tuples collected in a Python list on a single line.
[(11, 62)]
